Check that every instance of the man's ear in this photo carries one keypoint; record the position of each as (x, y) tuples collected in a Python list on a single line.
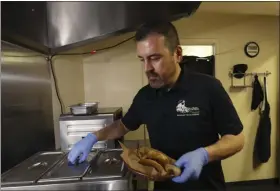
[(179, 54)]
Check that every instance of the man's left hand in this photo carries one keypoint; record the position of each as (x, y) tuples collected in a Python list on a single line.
[(192, 164)]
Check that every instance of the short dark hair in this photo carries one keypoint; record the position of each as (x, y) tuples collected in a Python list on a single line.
[(167, 29)]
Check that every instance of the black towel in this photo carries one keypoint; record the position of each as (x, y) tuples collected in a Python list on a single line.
[(257, 94), (263, 137)]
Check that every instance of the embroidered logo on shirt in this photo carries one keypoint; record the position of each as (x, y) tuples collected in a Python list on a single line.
[(183, 110)]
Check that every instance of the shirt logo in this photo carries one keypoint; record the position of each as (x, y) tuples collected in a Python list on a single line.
[(183, 110)]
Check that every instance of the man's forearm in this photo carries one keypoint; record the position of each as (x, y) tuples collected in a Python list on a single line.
[(113, 131), (227, 146)]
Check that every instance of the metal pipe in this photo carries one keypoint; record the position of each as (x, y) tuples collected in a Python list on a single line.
[(231, 74)]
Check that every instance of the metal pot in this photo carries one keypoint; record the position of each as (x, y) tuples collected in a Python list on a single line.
[(84, 108)]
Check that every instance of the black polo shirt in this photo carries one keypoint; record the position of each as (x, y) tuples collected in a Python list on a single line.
[(190, 115)]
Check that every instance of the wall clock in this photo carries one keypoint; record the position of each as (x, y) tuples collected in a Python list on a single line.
[(252, 49)]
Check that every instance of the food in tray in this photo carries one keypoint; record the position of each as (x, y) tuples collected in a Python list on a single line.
[(149, 163)]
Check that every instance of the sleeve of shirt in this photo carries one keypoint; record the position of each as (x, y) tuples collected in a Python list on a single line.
[(133, 118), (225, 117)]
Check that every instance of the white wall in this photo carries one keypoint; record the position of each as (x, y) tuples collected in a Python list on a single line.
[(70, 81)]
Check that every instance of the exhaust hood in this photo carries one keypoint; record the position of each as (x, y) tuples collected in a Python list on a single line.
[(52, 27)]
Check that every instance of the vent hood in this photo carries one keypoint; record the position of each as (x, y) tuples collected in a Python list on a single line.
[(52, 27)]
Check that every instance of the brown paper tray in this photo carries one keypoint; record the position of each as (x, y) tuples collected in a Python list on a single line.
[(137, 169), (141, 175)]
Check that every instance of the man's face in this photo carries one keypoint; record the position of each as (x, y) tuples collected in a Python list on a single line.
[(159, 63)]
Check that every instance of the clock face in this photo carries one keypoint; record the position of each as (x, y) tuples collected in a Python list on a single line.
[(252, 49)]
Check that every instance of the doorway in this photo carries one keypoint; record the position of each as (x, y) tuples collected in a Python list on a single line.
[(199, 58)]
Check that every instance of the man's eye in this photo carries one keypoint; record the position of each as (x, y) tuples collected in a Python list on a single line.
[(155, 58)]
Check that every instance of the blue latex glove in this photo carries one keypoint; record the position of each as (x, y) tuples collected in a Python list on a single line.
[(82, 147), (192, 163)]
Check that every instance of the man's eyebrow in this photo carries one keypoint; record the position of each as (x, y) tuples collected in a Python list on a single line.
[(156, 54)]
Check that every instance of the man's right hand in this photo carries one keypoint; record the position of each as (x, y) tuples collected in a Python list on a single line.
[(82, 147)]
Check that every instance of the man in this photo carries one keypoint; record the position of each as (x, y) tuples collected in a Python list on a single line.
[(185, 112)]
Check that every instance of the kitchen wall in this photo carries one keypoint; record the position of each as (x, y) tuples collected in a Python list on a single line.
[(114, 76), (70, 81)]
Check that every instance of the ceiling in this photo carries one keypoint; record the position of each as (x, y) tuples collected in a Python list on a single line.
[(256, 8)]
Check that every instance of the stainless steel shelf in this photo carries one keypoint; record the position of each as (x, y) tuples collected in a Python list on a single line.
[(245, 85)]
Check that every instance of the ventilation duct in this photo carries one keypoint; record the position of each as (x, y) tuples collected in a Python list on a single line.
[(51, 27)]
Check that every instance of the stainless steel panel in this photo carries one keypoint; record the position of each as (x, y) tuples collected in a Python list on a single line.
[(93, 21), (26, 107), (63, 171), (100, 185), (25, 23), (64, 25), (73, 131), (31, 169), (74, 128), (108, 164)]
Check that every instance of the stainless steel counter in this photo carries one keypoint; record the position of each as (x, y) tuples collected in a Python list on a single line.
[(103, 170), (30, 170), (113, 184)]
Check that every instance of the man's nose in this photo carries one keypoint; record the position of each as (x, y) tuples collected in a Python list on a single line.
[(148, 66)]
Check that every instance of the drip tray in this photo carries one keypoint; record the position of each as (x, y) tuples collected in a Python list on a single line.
[(65, 172)]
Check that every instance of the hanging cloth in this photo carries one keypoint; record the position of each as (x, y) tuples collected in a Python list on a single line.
[(205, 65), (262, 145), (257, 97)]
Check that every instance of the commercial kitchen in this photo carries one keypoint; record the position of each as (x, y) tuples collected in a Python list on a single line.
[(70, 68)]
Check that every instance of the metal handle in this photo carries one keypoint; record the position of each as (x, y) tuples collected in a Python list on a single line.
[(38, 164)]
